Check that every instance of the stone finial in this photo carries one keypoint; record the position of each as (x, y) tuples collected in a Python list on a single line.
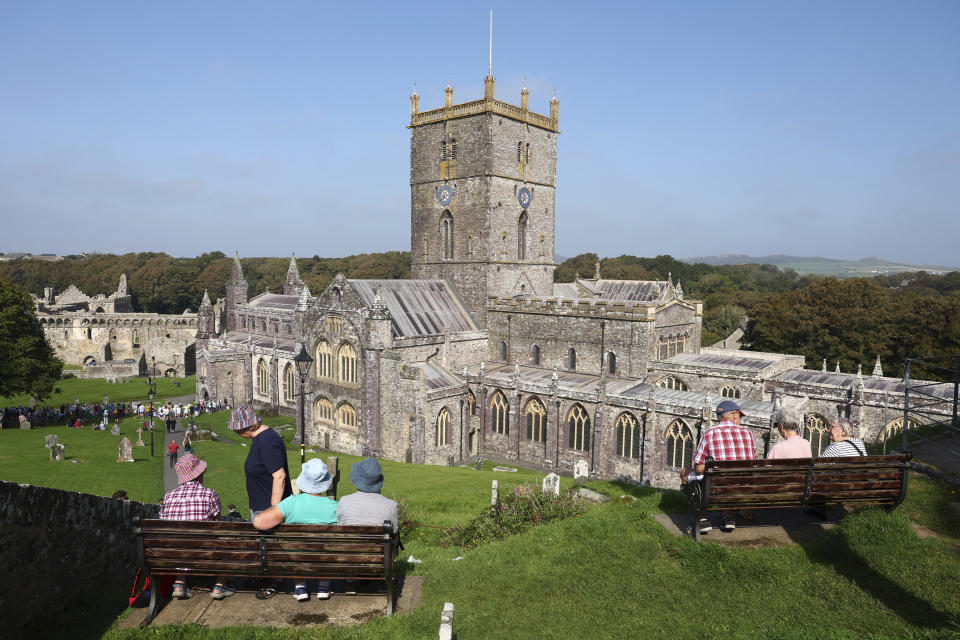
[(678, 291), (483, 369), (414, 101), (122, 287), (379, 306), (837, 370), (859, 370), (576, 276), (487, 87), (554, 109), (236, 271), (877, 369), (206, 300), (448, 96), (669, 277), (525, 98), (516, 369), (305, 298), (596, 270), (824, 365)]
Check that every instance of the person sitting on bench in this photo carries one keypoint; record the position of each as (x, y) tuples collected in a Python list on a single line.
[(367, 506), (842, 443), (787, 422)]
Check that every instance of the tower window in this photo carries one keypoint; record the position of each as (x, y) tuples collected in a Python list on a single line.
[(572, 359), (522, 237), (446, 229), (503, 350), (611, 363), (520, 152), (443, 151), (453, 150), (535, 355), (526, 156)]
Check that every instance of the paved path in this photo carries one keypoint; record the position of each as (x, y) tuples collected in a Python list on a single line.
[(169, 473)]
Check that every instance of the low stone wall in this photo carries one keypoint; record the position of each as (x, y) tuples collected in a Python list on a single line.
[(56, 545)]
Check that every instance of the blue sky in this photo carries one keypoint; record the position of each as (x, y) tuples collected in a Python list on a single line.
[(688, 128)]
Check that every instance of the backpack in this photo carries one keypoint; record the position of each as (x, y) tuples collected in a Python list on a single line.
[(143, 592)]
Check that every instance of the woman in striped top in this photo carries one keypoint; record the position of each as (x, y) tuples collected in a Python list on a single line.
[(842, 443)]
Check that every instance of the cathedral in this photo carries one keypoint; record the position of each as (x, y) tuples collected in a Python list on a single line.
[(482, 354)]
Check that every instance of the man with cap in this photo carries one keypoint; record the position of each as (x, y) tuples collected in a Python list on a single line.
[(192, 501), (367, 506), (310, 506), (726, 440)]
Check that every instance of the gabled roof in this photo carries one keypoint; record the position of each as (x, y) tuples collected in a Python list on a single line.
[(436, 376), (633, 290), (275, 301), (418, 307)]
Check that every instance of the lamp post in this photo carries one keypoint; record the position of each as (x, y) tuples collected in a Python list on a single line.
[(151, 392), (302, 361)]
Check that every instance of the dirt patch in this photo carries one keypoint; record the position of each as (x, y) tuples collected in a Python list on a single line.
[(304, 619), (924, 532)]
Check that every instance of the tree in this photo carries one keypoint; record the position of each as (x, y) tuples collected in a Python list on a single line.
[(29, 362)]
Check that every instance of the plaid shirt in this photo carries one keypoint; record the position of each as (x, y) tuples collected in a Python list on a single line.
[(190, 501), (726, 441)]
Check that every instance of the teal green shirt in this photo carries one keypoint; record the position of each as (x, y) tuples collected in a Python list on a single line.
[(303, 508)]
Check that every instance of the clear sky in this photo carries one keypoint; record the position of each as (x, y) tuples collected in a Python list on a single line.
[(689, 128)]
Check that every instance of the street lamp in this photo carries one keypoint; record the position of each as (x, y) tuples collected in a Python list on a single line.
[(302, 361), (151, 385)]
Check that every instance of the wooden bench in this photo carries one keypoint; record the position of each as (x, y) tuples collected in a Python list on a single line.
[(186, 548), (798, 482)]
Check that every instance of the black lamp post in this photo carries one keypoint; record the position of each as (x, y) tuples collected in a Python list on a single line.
[(151, 386), (302, 361)]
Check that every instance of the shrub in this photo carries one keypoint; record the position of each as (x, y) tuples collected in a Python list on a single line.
[(521, 509)]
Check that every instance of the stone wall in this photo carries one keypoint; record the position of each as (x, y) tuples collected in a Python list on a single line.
[(60, 544)]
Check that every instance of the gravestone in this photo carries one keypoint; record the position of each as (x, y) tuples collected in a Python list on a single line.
[(494, 495), (507, 469), (125, 453), (140, 437), (446, 622), (581, 471), (25, 425), (551, 484), (51, 440), (56, 452), (115, 429)]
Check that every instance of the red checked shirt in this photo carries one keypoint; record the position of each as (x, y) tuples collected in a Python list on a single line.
[(190, 501), (726, 441)]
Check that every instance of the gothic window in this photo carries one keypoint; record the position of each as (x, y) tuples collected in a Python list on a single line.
[(324, 360), (578, 421), (136, 339), (262, 382), (347, 416), (730, 392), (611, 363), (817, 430), (446, 229), (347, 363), (89, 333), (535, 355), (472, 403), (520, 152), (679, 445), (628, 436), (243, 323), (572, 359), (443, 428), (203, 369), (276, 329), (263, 326), (895, 428), (526, 155), (333, 324), (499, 414), (536, 416), (288, 383), (443, 151), (453, 150), (323, 411), (522, 237), (503, 350), (662, 348), (671, 382)]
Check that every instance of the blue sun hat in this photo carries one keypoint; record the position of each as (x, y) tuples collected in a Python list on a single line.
[(367, 476), (727, 405), (314, 477)]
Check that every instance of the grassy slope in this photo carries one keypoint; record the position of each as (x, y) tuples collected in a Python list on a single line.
[(611, 573), (93, 390)]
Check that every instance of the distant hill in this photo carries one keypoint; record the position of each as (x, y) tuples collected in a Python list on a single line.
[(865, 267)]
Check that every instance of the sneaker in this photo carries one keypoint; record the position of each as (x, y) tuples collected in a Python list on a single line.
[(219, 592), (301, 594), (323, 595), (729, 524), (705, 526), (182, 591)]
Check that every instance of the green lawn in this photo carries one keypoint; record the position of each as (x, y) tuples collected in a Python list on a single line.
[(92, 390), (613, 572)]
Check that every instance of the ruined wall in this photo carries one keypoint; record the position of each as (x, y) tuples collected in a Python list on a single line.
[(60, 544)]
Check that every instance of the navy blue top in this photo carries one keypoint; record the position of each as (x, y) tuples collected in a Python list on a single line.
[(267, 455)]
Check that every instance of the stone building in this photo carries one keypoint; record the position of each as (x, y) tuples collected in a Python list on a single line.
[(482, 354)]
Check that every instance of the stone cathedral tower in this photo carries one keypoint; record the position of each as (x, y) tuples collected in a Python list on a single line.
[(482, 182)]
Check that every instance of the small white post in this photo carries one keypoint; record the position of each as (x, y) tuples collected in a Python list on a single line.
[(446, 622)]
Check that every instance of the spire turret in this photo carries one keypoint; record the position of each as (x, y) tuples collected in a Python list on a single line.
[(877, 369), (293, 285)]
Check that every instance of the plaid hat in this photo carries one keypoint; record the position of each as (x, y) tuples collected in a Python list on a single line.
[(727, 405), (314, 476), (189, 467), (243, 417)]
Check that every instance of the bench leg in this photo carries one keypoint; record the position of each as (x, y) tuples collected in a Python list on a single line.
[(154, 601), (696, 527), (390, 595)]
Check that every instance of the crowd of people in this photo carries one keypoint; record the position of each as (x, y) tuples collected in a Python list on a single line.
[(271, 499), (728, 440), (80, 414)]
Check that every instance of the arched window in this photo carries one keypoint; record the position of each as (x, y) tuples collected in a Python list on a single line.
[(136, 339), (526, 154), (324, 359), (535, 355), (263, 387), (443, 151), (453, 149), (522, 237), (288, 382), (503, 350), (323, 411), (520, 152), (894, 428), (333, 324), (347, 416), (578, 421), (536, 416), (443, 428), (446, 230), (730, 392), (670, 382), (203, 369), (628, 436), (347, 363), (572, 359), (679, 445), (472, 403), (499, 414), (611, 363), (817, 430)]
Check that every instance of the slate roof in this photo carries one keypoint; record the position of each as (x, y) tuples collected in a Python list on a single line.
[(436, 376), (240, 338), (502, 373), (633, 290), (892, 386), (565, 290), (275, 301), (694, 398), (418, 307), (737, 360)]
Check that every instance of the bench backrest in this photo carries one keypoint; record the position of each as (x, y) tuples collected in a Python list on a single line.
[(880, 480), (290, 550)]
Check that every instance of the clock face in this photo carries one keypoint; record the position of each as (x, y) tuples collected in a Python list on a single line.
[(445, 195), (524, 197)]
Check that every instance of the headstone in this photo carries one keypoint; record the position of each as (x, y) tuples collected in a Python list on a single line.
[(591, 496), (126, 450), (551, 484), (446, 622), (115, 429), (25, 425), (494, 494), (507, 469), (56, 452), (581, 471), (140, 437), (51, 440), (478, 465)]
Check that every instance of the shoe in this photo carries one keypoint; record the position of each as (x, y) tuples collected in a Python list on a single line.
[(266, 593), (729, 524), (182, 591), (301, 594), (219, 592), (705, 526), (323, 595)]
